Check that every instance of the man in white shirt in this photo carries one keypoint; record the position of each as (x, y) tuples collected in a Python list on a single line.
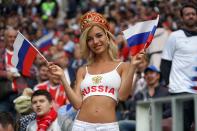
[(179, 58)]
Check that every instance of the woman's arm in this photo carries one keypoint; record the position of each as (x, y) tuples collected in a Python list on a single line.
[(127, 73), (74, 95)]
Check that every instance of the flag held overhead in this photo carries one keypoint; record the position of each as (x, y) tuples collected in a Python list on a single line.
[(140, 35)]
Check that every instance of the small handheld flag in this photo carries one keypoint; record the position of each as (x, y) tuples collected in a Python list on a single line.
[(45, 42), (24, 54), (140, 35)]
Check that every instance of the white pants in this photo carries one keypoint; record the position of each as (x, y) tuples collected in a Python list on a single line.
[(86, 126)]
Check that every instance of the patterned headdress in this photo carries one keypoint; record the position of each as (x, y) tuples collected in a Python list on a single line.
[(91, 18)]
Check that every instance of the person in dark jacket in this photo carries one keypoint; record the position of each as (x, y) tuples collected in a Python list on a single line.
[(153, 89)]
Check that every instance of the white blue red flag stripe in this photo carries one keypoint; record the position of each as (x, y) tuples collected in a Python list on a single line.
[(194, 78), (45, 42), (140, 35), (24, 54)]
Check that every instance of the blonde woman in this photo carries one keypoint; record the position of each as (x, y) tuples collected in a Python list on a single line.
[(103, 82)]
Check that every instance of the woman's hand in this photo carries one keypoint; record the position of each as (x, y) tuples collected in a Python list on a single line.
[(138, 59), (56, 70)]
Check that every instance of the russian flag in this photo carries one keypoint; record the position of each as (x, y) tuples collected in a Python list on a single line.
[(140, 35), (24, 54), (45, 42)]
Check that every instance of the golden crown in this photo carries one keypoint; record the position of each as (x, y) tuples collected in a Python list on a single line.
[(91, 18)]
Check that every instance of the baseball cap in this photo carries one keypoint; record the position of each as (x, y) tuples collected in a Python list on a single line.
[(152, 68)]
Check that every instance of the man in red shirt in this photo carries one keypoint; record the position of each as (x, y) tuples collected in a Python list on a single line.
[(11, 81), (56, 89)]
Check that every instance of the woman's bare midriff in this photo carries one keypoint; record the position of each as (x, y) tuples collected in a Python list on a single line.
[(98, 109)]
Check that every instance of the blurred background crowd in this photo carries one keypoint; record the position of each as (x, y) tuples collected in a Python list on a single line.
[(56, 23)]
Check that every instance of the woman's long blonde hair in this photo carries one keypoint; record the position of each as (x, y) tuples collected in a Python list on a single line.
[(85, 50)]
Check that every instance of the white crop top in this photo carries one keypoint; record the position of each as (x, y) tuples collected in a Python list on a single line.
[(106, 84)]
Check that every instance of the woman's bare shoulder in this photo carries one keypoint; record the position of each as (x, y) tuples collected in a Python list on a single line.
[(81, 71), (124, 65)]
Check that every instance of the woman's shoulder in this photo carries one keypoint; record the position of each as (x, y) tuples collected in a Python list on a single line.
[(124, 64), (82, 70), (121, 66)]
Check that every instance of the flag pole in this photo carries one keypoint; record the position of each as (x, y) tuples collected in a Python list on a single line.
[(34, 47)]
